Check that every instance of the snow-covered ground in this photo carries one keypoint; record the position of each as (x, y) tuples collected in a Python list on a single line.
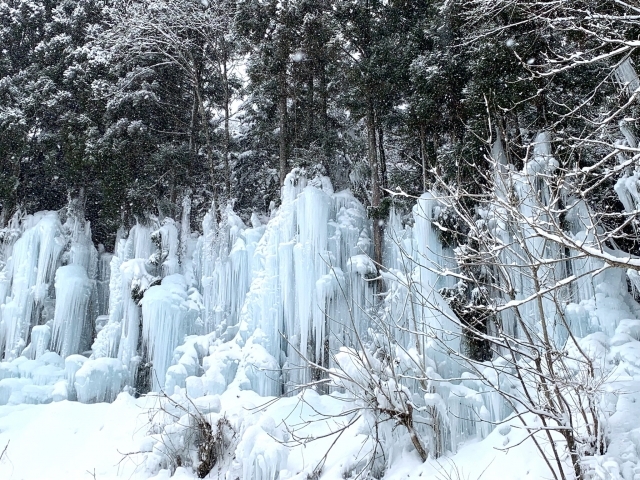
[(70, 440)]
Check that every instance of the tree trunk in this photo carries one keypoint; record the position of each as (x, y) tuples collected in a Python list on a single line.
[(324, 101), (311, 109), (376, 195), (383, 159), (283, 124), (227, 135), (207, 131), (192, 124), (423, 155), (415, 439), (173, 191)]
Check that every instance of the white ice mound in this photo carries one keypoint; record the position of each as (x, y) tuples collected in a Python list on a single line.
[(100, 380), (262, 451)]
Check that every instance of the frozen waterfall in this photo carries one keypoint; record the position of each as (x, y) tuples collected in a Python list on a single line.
[(270, 306)]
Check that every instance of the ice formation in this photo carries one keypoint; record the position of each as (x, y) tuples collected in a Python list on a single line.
[(73, 292), (626, 74), (293, 301), (27, 277), (166, 319)]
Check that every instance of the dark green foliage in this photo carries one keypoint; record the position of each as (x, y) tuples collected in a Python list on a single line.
[(85, 105), (470, 308)]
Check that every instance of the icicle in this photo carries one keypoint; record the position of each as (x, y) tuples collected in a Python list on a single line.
[(33, 262), (134, 280), (107, 342), (626, 74), (185, 227), (102, 280), (434, 317), (225, 270), (634, 277), (628, 134), (501, 168), (139, 243), (533, 193), (73, 292), (627, 190), (165, 313), (167, 256)]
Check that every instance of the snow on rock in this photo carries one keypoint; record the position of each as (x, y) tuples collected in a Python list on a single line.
[(362, 264)]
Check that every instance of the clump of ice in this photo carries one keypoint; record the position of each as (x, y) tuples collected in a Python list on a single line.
[(100, 380), (262, 452)]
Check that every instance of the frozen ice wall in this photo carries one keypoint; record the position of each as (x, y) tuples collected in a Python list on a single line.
[(73, 293), (534, 258), (166, 319), (426, 331), (28, 276), (418, 263), (149, 253), (302, 277), (253, 307), (284, 293), (48, 302), (590, 303)]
